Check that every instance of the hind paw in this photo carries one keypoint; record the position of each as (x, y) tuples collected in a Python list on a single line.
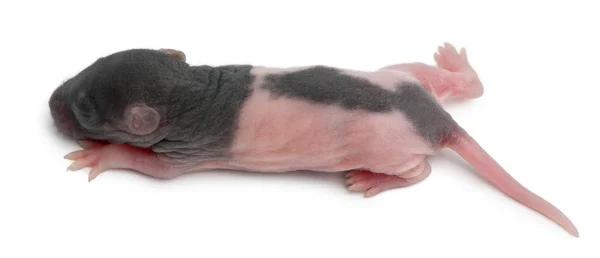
[(372, 184), (448, 58)]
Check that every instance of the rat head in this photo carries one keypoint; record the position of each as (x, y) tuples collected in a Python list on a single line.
[(118, 97)]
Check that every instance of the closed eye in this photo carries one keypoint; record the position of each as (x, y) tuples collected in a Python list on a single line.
[(84, 111)]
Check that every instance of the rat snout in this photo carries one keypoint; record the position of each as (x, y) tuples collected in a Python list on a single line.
[(61, 115)]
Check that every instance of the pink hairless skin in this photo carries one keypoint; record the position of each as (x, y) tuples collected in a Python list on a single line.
[(378, 126)]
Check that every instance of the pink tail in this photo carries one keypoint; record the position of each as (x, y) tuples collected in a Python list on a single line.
[(470, 150)]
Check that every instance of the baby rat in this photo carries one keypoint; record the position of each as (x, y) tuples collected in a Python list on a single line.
[(150, 111)]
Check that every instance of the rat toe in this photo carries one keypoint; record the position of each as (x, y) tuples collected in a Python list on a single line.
[(371, 183)]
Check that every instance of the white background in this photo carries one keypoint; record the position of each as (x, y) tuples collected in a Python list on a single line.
[(538, 62)]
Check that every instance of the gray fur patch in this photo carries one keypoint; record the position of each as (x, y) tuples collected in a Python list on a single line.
[(204, 128), (329, 86), (427, 115)]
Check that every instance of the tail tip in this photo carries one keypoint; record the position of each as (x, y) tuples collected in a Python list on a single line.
[(568, 226), (573, 231)]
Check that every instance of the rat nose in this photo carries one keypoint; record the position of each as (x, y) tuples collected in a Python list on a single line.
[(60, 113)]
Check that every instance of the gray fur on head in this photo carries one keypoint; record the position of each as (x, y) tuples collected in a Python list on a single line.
[(119, 97)]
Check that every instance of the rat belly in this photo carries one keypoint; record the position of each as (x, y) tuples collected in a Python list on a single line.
[(283, 134)]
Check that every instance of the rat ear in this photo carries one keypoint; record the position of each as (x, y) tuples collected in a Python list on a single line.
[(141, 119), (175, 53)]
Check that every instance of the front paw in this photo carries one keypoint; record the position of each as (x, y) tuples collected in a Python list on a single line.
[(95, 155)]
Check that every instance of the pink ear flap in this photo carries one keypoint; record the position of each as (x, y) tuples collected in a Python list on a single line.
[(142, 120), (175, 53)]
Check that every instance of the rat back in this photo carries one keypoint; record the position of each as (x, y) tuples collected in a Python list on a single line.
[(327, 119)]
